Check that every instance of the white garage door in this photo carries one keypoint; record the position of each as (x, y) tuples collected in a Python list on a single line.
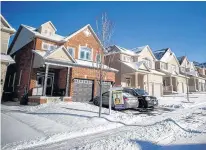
[(157, 89), (150, 89), (185, 88), (180, 87)]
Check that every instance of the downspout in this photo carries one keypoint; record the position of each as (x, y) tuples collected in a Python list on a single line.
[(31, 64)]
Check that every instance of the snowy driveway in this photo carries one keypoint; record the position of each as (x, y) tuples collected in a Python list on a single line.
[(77, 126)]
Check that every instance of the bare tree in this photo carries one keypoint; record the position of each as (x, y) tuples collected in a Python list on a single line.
[(105, 30)]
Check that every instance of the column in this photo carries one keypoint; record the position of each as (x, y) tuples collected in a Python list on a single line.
[(136, 80), (45, 79), (67, 82), (171, 83), (148, 83), (195, 84)]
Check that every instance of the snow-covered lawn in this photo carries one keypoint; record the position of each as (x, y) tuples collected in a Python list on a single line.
[(77, 126)]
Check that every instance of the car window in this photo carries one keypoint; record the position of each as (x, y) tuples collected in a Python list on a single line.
[(105, 94)]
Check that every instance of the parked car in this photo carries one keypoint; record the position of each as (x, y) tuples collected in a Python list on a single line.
[(145, 100), (130, 101)]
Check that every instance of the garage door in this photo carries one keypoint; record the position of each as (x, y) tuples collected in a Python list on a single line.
[(83, 90), (105, 86), (150, 89), (157, 89), (180, 87)]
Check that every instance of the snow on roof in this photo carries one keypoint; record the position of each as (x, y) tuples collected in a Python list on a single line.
[(7, 24), (139, 49), (180, 59), (201, 65), (54, 37), (126, 51), (6, 58), (93, 65), (160, 53)]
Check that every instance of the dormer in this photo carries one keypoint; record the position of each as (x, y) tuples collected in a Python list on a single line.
[(47, 29)]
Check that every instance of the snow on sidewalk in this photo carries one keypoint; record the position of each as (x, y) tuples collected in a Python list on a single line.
[(55, 122), (59, 121)]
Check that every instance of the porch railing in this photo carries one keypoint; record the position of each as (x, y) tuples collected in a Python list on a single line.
[(37, 91), (167, 88)]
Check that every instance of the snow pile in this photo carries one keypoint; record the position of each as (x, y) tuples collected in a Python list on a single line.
[(47, 125), (180, 100)]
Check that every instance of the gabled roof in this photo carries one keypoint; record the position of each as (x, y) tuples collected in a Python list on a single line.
[(46, 54), (8, 26), (50, 24), (82, 29), (200, 65), (138, 50), (181, 59), (124, 50), (160, 53), (54, 37)]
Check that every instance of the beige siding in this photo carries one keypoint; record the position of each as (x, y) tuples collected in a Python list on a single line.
[(4, 42), (146, 54), (47, 26), (60, 55)]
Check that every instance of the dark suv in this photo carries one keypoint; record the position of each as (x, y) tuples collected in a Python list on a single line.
[(145, 101)]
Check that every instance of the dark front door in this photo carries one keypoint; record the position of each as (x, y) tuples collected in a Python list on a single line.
[(83, 90)]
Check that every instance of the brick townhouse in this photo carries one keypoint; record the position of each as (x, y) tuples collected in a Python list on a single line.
[(53, 67)]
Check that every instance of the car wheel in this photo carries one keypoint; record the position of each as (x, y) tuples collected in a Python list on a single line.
[(145, 104), (96, 102), (140, 104)]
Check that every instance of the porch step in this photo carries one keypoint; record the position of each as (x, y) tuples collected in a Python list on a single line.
[(54, 99)]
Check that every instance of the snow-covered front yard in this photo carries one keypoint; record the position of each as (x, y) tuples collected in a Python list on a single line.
[(176, 123)]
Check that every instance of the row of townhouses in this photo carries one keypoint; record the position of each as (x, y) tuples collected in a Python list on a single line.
[(52, 67)]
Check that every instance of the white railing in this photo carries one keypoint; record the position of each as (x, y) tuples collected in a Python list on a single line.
[(167, 88), (37, 91)]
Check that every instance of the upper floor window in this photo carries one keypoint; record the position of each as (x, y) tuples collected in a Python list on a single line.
[(148, 63), (71, 51), (47, 46), (173, 68), (98, 58), (85, 53), (164, 65), (126, 58)]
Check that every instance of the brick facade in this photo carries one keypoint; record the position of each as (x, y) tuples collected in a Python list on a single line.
[(24, 62)]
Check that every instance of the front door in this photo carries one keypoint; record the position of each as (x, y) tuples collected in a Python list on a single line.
[(40, 83)]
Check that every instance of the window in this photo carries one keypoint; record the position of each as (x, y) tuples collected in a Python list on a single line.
[(173, 68), (47, 46), (98, 58), (85, 53), (71, 51), (148, 63), (128, 81), (164, 66), (39, 81)]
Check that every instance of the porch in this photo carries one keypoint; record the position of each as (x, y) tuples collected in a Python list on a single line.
[(196, 85), (169, 85), (50, 83), (136, 80)]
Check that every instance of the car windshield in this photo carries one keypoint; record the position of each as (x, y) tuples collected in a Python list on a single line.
[(141, 92)]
